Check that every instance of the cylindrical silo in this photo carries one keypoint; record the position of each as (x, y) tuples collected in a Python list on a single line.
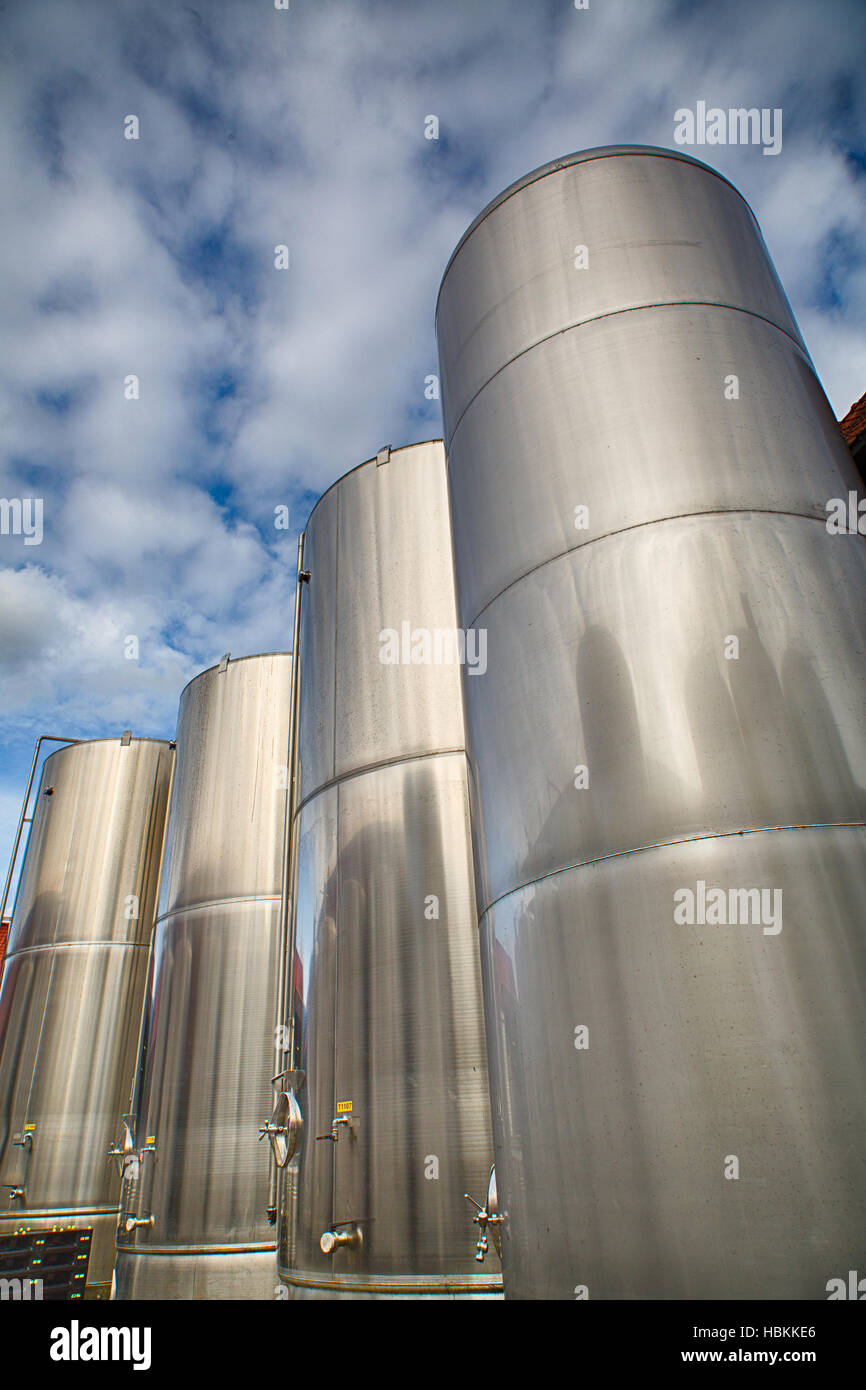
[(197, 1195), (667, 750), (385, 973), (71, 1003)]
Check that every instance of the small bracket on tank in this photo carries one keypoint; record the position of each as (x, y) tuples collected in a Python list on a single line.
[(292, 1080), (224, 663), (383, 456), (126, 738)]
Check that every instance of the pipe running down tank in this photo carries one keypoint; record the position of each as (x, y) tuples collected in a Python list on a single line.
[(194, 1224), (667, 751), (71, 1002), (388, 1045)]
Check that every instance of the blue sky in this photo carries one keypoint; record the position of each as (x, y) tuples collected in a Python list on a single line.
[(259, 387)]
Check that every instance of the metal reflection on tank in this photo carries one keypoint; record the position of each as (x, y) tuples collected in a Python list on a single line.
[(640, 460), (194, 1223), (71, 999), (388, 1025)]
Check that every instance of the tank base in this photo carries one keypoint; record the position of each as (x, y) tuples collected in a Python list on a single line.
[(218, 1275), (305, 1287)]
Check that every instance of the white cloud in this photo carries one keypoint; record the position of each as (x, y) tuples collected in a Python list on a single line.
[(66, 654)]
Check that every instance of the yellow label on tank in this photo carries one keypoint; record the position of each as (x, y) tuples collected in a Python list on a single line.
[(343, 1106), (28, 1129)]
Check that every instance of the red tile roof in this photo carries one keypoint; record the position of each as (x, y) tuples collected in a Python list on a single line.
[(854, 423)]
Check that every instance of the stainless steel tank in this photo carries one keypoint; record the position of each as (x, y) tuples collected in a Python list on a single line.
[(384, 965), (71, 1000), (196, 1167), (640, 462)]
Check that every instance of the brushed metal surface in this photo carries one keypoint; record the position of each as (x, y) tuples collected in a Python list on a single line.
[(307, 1185), (74, 979), (659, 227), (636, 687), (69, 1021), (98, 833), (226, 809), (703, 1042), (316, 654), (608, 444), (211, 1005), (389, 1027), (191, 1276), (378, 546), (609, 650)]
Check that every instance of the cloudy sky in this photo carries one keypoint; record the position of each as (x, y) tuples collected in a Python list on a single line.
[(257, 387)]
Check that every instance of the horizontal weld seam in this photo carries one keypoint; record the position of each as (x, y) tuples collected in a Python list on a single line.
[(669, 844), (638, 526), (374, 767), (43, 1213), (614, 313), (217, 902), (77, 945), (559, 166), (188, 1251), (416, 1282)]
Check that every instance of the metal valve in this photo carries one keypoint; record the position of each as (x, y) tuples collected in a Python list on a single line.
[(14, 1191), (128, 1163), (283, 1130), (126, 1158), (133, 1221), (127, 1155), (351, 1239), (267, 1129), (335, 1123), (485, 1216)]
